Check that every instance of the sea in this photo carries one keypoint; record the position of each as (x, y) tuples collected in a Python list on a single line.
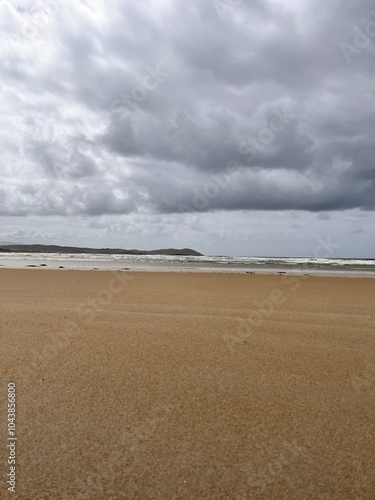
[(215, 263)]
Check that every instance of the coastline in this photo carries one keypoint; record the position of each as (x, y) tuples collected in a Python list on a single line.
[(322, 266)]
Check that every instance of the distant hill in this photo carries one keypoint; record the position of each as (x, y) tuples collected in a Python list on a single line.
[(60, 249)]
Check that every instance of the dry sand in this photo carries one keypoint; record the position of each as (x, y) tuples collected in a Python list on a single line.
[(171, 386)]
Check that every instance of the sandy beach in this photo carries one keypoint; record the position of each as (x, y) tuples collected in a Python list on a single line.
[(137, 385)]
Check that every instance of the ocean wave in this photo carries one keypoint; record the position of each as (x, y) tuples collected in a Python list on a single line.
[(117, 260)]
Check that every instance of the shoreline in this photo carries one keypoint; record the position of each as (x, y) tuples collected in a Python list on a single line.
[(263, 272)]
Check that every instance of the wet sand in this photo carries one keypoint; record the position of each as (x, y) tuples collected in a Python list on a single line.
[(188, 385)]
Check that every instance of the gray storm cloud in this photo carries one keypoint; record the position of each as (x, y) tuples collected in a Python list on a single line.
[(166, 107)]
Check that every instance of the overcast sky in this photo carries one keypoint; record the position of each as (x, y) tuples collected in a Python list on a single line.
[(228, 126)]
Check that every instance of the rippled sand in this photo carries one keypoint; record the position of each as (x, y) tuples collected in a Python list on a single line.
[(189, 385)]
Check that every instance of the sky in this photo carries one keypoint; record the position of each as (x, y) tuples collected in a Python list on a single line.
[(233, 127)]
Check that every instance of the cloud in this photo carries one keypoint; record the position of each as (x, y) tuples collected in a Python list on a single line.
[(139, 107)]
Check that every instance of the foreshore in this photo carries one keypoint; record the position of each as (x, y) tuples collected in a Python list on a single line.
[(179, 263), (189, 385)]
